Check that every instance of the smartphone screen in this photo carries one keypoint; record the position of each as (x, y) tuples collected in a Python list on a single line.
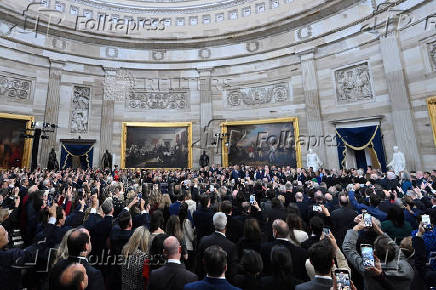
[(342, 279), (317, 208), (252, 199), (367, 255), (326, 231), (367, 219), (426, 221)]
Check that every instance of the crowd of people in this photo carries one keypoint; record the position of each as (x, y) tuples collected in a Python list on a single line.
[(217, 228)]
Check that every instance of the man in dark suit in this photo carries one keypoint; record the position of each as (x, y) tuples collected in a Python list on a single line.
[(321, 256), (79, 246), (277, 211), (215, 263), (299, 255), (101, 230), (73, 277), (235, 227), (217, 238), (203, 218), (303, 206), (342, 218), (424, 271), (173, 275)]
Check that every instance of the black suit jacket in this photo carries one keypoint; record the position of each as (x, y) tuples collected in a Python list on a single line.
[(271, 215), (424, 271), (219, 240), (95, 278), (342, 219), (99, 234), (316, 284), (234, 229), (202, 218), (170, 276), (298, 254)]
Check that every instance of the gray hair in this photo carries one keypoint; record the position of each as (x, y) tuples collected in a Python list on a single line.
[(220, 221), (107, 206)]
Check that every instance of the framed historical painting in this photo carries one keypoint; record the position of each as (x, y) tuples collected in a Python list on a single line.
[(15, 150), (261, 142), (156, 145)]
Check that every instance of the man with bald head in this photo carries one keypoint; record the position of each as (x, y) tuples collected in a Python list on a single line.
[(79, 247), (302, 205), (74, 277), (173, 275), (299, 255), (342, 218)]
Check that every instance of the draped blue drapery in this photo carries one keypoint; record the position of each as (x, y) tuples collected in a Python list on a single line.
[(83, 151), (359, 139)]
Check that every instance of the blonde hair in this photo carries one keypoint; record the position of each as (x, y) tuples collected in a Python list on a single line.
[(4, 214), (155, 197), (138, 241), (62, 252), (165, 201)]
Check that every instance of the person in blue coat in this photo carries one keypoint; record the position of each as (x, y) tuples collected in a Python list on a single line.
[(215, 264)]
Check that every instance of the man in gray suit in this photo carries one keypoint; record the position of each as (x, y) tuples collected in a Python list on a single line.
[(321, 255)]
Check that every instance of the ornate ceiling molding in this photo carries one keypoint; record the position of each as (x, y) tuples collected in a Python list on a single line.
[(188, 9)]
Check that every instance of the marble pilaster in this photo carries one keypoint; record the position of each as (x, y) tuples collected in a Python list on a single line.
[(51, 110), (206, 113), (107, 116), (402, 118), (311, 97)]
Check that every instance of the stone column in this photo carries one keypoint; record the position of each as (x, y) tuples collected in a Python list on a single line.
[(51, 111), (311, 96), (206, 114), (402, 118), (106, 120)]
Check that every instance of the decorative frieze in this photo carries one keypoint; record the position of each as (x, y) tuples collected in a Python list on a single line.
[(80, 109), (271, 94), (353, 84), (152, 100), (16, 88), (118, 84)]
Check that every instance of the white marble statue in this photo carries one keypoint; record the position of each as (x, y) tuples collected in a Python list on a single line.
[(398, 162), (313, 160)]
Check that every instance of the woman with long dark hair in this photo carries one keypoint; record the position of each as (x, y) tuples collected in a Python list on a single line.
[(282, 269), (296, 233), (395, 225), (248, 272), (157, 222), (252, 237)]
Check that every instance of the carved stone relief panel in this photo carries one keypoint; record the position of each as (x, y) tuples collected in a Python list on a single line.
[(140, 100), (16, 88), (270, 94), (80, 109), (432, 54), (353, 84)]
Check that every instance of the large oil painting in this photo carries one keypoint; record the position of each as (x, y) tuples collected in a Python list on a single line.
[(262, 142), (156, 145), (14, 148)]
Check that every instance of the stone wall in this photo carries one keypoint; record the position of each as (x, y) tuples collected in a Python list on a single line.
[(338, 68)]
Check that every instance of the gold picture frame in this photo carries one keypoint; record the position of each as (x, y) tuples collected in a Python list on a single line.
[(431, 106), (125, 126), (293, 120), (27, 151)]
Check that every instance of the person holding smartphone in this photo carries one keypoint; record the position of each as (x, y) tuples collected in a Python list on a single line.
[(424, 272), (393, 272)]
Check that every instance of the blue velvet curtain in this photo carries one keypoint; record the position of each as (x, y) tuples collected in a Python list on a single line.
[(83, 151), (359, 139)]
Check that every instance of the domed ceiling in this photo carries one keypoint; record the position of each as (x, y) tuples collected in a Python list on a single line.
[(139, 23)]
